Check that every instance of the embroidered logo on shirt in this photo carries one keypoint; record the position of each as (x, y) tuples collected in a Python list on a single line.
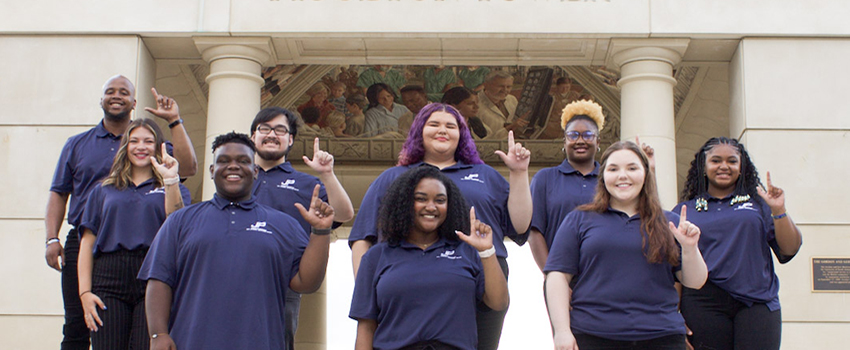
[(449, 254), (746, 206), (258, 226), (288, 185), (156, 190), (471, 177)]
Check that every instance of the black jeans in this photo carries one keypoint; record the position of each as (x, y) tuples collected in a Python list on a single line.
[(670, 342), (490, 321), (76, 335), (114, 281), (429, 345), (720, 322)]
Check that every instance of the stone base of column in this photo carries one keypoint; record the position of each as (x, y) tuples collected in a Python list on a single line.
[(312, 321)]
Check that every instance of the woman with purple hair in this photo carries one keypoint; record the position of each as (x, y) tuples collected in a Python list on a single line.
[(440, 137)]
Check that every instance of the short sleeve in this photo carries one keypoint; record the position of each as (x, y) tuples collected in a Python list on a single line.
[(364, 302), (539, 219), (770, 233), (63, 176), (366, 222), (93, 213), (161, 260), (564, 255)]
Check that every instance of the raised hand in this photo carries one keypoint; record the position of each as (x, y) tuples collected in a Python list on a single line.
[(322, 162), (517, 158), (169, 167), (90, 304), (320, 215), (166, 107), (687, 234), (773, 196), (480, 236), (648, 150)]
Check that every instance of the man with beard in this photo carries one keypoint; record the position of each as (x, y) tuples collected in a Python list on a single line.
[(85, 159), (280, 186)]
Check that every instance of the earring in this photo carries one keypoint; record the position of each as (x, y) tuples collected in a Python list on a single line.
[(701, 204)]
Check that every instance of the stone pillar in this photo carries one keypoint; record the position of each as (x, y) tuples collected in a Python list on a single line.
[(312, 331), (647, 105)]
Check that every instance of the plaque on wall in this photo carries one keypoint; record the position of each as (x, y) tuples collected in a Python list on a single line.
[(831, 274)]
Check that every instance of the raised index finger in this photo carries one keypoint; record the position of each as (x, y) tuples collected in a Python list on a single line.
[(683, 215), (510, 139), (472, 218), (316, 149), (155, 95), (769, 184)]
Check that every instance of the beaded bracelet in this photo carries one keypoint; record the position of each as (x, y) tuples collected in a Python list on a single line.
[(780, 216)]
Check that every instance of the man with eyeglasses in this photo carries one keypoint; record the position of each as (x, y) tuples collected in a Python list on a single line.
[(280, 186)]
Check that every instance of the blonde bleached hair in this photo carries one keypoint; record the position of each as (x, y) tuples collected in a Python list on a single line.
[(583, 107)]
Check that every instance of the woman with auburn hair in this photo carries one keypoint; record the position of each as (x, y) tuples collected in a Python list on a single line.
[(424, 220), (121, 218), (738, 308), (319, 99), (625, 255), (440, 137)]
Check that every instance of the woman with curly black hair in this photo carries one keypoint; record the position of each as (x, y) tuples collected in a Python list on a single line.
[(419, 287), (738, 308)]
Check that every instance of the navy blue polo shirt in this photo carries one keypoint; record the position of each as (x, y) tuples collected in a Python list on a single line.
[(419, 295), (282, 186), (128, 219), (618, 294), (735, 242), (481, 186), (555, 192), (229, 265)]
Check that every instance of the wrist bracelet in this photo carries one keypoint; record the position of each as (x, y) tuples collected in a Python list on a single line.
[(780, 216), (175, 123), (172, 181), (83, 293), (51, 241), (487, 253), (321, 231), (156, 335)]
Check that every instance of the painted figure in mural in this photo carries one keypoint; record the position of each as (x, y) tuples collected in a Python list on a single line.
[(498, 106), (414, 98), (424, 215), (382, 74), (355, 123), (440, 137), (437, 81), (85, 159), (119, 223), (738, 308), (562, 96), (336, 124), (473, 77), (337, 97), (280, 186), (620, 243), (384, 113), (318, 99), (197, 298), (466, 101)]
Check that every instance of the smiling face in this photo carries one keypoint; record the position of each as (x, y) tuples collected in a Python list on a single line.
[(497, 89), (233, 171), (722, 167), (440, 134), (624, 176), (581, 150), (118, 98), (430, 203), (320, 97), (273, 146), (469, 107), (141, 146)]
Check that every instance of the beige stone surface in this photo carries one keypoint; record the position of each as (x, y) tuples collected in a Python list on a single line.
[(30, 286), (30, 332), (817, 335)]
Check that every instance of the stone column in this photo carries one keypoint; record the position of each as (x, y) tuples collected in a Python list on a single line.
[(647, 105)]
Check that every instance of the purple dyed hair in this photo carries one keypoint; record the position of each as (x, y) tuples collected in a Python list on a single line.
[(413, 150)]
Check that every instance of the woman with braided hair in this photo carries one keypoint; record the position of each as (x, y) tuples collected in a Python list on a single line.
[(741, 221)]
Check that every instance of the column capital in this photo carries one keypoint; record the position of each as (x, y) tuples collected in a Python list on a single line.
[(257, 49), (623, 51)]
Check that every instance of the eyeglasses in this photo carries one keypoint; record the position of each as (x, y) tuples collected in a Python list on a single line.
[(588, 136), (279, 130)]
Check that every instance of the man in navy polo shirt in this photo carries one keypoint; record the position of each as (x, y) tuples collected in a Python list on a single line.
[(280, 186), (85, 160), (218, 271)]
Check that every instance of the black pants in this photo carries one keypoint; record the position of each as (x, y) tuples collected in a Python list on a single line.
[(490, 321), (720, 322), (291, 310), (76, 335), (429, 345), (670, 342), (114, 281)]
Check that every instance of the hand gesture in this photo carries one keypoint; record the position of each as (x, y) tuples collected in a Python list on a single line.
[(686, 233), (169, 167), (90, 304), (518, 157), (320, 215), (773, 196), (163, 341), (565, 341), (649, 151), (322, 162), (166, 107), (53, 253), (480, 236)]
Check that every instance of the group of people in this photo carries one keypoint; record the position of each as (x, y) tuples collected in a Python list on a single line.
[(142, 268)]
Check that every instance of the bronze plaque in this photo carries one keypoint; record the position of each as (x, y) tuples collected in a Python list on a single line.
[(831, 274)]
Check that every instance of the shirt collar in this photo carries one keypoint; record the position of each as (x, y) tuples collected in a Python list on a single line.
[(440, 243), (567, 168), (458, 165), (285, 167), (101, 132), (222, 203)]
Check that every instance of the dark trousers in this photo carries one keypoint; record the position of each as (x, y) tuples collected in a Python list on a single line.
[(670, 342), (720, 322), (292, 309), (76, 335), (429, 345), (114, 281), (490, 321)]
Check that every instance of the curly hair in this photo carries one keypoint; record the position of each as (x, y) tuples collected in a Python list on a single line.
[(413, 150), (120, 173), (657, 240), (396, 214), (233, 137), (696, 184)]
